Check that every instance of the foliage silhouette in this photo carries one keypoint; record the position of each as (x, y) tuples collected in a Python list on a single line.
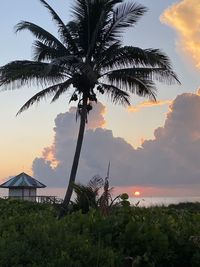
[(87, 58), (32, 236), (95, 195)]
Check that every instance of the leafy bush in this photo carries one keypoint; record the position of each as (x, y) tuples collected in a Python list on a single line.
[(31, 235)]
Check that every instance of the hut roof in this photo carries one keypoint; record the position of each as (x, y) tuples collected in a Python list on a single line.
[(22, 180)]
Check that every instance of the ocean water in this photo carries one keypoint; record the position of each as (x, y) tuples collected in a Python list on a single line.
[(161, 201), (139, 201)]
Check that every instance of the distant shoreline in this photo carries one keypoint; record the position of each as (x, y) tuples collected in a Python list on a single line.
[(159, 201)]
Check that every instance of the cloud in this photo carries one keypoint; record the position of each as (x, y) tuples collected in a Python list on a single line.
[(147, 104), (170, 159), (54, 164), (184, 17)]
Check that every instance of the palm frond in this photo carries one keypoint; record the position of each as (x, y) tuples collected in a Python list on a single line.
[(110, 4), (99, 15), (96, 183), (135, 57), (81, 12), (73, 28), (136, 84), (101, 58), (91, 18), (105, 199), (43, 52), (144, 88), (62, 89), (153, 74), (132, 56), (126, 15), (63, 30), (18, 73), (85, 197), (41, 95), (123, 16), (67, 60), (40, 34), (73, 65), (80, 9), (92, 42), (104, 202), (117, 95)]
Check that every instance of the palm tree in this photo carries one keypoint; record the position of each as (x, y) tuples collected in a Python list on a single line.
[(96, 194), (87, 58), (87, 196)]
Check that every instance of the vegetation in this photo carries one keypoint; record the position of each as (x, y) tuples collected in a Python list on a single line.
[(96, 194), (87, 59), (32, 236)]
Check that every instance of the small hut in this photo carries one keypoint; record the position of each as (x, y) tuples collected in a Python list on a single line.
[(23, 187)]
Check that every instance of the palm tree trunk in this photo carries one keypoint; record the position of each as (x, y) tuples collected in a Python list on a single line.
[(72, 178)]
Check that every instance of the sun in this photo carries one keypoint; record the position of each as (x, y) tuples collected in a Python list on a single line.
[(136, 193)]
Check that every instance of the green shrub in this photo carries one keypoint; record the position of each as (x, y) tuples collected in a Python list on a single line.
[(31, 235)]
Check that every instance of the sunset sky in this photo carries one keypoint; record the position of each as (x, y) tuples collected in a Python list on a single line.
[(153, 148)]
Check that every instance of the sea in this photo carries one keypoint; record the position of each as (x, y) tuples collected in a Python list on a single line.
[(161, 201), (138, 201)]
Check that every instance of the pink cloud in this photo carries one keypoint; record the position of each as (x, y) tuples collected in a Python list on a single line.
[(148, 104), (168, 164)]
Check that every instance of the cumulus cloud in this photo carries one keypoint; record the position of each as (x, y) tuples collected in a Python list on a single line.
[(184, 17), (147, 104), (54, 164), (170, 159)]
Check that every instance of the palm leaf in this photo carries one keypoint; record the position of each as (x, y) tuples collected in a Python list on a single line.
[(44, 52), (94, 34), (101, 58), (73, 65), (99, 15), (117, 95), (40, 34), (80, 9), (62, 89), (18, 73), (153, 74), (135, 57), (96, 183), (68, 60), (63, 30), (132, 83), (125, 15), (144, 88), (85, 197), (90, 19), (54, 89), (81, 13)]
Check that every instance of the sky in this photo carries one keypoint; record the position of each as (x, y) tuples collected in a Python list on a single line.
[(153, 148)]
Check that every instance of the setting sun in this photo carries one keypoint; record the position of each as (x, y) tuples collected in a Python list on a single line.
[(136, 193)]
